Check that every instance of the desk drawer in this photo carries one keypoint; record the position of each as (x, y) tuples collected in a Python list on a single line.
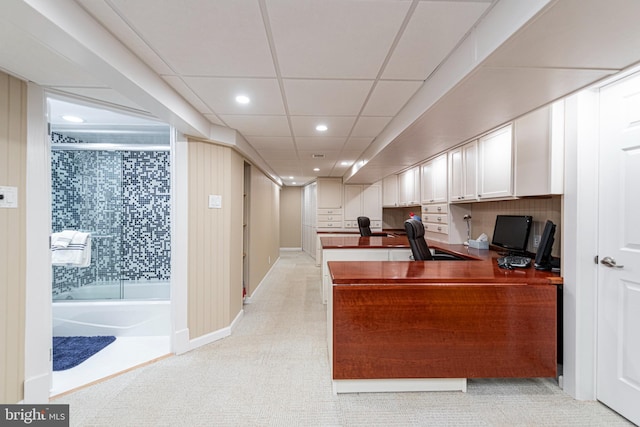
[(330, 218), (329, 212), (435, 218), (329, 224), (434, 208), (436, 228)]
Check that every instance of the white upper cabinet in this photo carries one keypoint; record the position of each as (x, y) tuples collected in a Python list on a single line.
[(390, 191), (362, 200), (495, 164), (352, 202), (372, 203), (329, 192), (409, 187), (463, 166), (539, 142), (434, 180)]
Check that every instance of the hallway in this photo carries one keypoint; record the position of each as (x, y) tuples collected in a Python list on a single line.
[(273, 370)]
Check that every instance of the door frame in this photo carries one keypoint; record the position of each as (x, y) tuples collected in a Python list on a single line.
[(579, 240)]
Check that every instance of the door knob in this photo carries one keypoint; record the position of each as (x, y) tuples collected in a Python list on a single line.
[(610, 262)]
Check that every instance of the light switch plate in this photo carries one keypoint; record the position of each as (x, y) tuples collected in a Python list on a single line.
[(8, 197), (215, 201)]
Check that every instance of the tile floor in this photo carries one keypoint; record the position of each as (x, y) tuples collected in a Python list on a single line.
[(124, 353)]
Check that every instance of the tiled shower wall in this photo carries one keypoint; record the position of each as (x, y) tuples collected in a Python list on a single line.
[(123, 199)]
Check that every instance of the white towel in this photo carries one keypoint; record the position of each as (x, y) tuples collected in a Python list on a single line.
[(77, 253), (62, 239)]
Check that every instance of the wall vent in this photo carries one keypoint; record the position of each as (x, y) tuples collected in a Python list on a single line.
[(317, 156)]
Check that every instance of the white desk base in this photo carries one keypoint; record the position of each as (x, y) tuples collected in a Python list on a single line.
[(399, 385)]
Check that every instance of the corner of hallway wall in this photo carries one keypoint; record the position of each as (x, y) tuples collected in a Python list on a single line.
[(214, 237), (13, 164), (264, 227)]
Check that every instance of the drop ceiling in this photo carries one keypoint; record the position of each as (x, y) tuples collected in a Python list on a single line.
[(395, 81)]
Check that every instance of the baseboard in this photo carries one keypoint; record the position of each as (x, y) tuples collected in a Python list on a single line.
[(216, 335), (36, 389), (291, 249), (181, 341), (247, 299)]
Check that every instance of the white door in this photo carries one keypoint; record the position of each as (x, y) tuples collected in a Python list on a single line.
[(618, 348)]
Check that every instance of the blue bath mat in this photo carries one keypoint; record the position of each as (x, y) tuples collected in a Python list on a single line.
[(72, 351)]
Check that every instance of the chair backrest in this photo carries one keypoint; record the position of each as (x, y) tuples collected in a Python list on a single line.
[(417, 242), (364, 224)]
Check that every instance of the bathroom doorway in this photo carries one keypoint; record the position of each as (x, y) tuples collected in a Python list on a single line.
[(111, 198)]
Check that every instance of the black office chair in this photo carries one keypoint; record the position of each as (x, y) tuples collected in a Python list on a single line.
[(417, 242), (364, 224)]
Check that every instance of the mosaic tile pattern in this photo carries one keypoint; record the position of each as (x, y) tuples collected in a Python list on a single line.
[(123, 199)]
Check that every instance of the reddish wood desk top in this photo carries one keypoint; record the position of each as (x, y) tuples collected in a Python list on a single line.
[(358, 242), (482, 266)]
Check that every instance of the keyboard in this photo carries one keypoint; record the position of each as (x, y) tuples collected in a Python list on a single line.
[(511, 261)]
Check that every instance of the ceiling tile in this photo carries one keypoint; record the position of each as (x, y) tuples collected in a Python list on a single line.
[(319, 38), (220, 93), (258, 125), (279, 155), (329, 155), (357, 144), (195, 37), (435, 28), (326, 97), (320, 144), (271, 143), (370, 126), (337, 126), (388, 97)]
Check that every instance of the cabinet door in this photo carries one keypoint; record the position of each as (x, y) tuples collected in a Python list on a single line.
[(426, 186), (410, 187), (390, 191), (539, 142), (329, 191), (371, 202), (470, 164), (433, 185), (352, 202), (495, 164), (462, 178), (456, 176), (439, 179)]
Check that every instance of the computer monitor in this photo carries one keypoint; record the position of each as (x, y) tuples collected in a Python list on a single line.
[(543, 259), (511, 232)]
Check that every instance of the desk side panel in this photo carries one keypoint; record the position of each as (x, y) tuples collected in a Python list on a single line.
[(444, 331)]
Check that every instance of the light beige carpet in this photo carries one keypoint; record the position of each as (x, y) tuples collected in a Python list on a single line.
[(273, 371)]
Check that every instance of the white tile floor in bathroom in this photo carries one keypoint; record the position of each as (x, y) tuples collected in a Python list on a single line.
[(124, 353)]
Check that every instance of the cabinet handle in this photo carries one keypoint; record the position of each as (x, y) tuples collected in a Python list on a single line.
[(439, 219), (439, 228), (431, 200), (439, 208)]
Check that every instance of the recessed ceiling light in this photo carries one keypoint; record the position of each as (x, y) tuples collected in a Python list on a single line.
[(321, 128), (290, 177), (294, 183), (73, 119), (345, 163), (316, 169), (242, 99)]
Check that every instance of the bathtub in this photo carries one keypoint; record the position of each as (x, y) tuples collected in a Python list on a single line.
[(145, 312)]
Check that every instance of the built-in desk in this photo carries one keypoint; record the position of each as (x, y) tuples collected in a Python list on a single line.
[(356, 248), (430, 325)]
